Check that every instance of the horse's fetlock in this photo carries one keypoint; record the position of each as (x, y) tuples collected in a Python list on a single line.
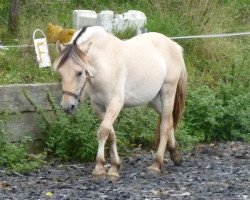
[(100, 161), (117, 164), (171, 148), (159, 159)]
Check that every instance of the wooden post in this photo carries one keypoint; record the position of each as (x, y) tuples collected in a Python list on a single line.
[(14, 16)]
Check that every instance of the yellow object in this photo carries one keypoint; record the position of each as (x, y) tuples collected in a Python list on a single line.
[(56, 33), (48, 194)]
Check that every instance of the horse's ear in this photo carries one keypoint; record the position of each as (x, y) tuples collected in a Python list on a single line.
[(86, 48), (58, 46)]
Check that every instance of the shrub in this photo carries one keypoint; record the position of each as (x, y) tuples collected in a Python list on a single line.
[(212, 117), (71, 137)]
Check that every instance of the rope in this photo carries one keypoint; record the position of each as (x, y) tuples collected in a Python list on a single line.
[(211, 36), (174, 38)]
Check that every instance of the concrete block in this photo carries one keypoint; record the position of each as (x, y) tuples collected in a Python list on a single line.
[(83, 18)]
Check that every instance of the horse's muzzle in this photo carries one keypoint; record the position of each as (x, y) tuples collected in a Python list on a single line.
[(69, 109)]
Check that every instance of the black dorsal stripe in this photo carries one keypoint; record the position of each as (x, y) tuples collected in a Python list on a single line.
[(79, 34)]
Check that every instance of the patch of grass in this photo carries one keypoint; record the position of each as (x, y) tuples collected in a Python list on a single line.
[(127, 33)]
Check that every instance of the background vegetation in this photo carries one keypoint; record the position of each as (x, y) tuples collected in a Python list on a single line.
[(218, 105)]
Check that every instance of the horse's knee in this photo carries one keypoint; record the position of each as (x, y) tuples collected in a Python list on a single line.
[(103, 133), (111, 137)]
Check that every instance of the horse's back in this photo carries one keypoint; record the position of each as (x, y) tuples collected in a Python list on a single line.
[(142, 62)]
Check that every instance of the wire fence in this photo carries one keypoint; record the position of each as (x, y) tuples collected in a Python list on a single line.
[(205, 36), (18, 63)]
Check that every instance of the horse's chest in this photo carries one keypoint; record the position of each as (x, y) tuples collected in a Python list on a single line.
[(99, 98)]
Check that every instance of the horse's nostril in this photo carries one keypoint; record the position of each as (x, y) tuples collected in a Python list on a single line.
[(72, 107)]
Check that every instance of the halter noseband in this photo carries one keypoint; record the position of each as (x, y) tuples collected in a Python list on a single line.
[(78, 97)]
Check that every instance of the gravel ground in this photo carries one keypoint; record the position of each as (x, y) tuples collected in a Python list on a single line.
[(215, 171)]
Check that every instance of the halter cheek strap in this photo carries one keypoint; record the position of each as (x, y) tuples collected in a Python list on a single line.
[(78, 97)]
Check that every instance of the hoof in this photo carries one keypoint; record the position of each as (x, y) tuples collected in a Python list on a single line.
[(99, 173), (113, 176), (153, 170), (177, 162), (176, 157)]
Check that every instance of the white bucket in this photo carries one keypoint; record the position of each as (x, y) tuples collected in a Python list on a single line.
[(105, 19), (83, 18), (41, 48)]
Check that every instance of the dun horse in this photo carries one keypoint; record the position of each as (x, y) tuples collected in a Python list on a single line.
[(114, 74)]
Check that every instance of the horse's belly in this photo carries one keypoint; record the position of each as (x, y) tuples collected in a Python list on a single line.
[(141, 92), (134, 99)]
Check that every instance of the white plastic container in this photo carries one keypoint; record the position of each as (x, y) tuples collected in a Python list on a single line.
[(83, 18), (106, 19), (136, 19), (41, 49)]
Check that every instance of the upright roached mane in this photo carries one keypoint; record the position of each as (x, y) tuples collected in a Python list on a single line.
[(148, 68), (70, 51)]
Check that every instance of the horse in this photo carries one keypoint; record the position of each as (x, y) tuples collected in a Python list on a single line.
[(115, 74)]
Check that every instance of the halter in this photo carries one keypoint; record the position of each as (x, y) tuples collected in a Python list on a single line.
[(78, 97)]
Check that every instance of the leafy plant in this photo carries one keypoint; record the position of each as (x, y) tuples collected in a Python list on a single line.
[(74, 136), (212, 118), (71, 137)]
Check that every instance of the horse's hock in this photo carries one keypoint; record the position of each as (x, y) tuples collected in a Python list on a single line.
[(19, 102)]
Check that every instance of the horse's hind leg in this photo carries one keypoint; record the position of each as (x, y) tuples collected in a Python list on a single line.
[(164, 106), (172, 147)]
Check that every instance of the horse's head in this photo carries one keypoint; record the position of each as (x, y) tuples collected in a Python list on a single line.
[(74, 69), (73, 65)]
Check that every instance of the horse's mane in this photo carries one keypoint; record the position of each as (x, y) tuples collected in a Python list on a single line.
[(72, 50)]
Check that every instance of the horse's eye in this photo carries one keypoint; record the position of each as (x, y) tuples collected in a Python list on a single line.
[(79, 74)]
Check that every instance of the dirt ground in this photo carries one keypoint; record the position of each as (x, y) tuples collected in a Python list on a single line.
[(211, 172)]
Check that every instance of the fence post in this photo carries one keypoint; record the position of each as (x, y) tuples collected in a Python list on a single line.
[(14, 16)]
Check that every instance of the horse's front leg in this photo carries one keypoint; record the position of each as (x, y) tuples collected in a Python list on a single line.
[(113, 172), (106, 128)]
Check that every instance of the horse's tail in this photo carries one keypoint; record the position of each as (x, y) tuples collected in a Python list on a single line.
[(180, 96)]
